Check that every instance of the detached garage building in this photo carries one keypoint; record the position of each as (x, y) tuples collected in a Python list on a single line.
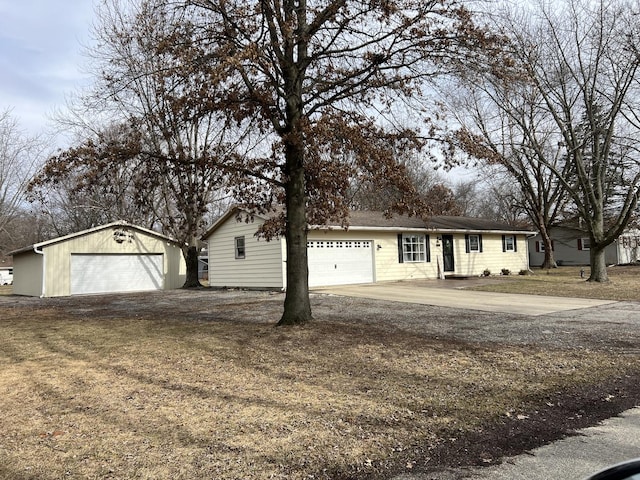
[(373, 249), (118, 257)]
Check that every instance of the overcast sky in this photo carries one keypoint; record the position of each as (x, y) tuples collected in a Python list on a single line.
[(41, 62)]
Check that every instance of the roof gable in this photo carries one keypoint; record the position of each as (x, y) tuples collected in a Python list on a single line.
[(232, 212), (115, 225)]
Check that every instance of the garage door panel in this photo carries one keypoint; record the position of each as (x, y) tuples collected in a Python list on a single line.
[(339, 262), (116, 273)]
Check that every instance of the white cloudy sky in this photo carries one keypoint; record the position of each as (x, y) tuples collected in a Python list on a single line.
[(41, 61), (41, 58)]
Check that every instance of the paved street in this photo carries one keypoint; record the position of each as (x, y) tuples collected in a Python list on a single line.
[(573, 458)]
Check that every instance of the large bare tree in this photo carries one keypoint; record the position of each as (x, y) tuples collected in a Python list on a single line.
[(83, 187), (504, 128), (169, 144), (321, 79), (580, 59), (20, 155)]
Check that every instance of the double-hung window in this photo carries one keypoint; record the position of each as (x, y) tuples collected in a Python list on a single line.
[(584, 243), (413, 248), (239, 247), (509, 243), (473, 243)]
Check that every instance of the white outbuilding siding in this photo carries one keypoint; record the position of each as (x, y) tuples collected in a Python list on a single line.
[(117, 257)]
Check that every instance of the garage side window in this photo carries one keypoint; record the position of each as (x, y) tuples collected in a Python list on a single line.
[(413, 248), (239, 246)]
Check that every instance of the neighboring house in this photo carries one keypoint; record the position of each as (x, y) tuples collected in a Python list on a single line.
[(6, 275), (629, 247), (203, 266), (118, 257), (373, 249), (571, 246)]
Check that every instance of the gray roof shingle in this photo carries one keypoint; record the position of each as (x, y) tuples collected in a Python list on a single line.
[(371, 219)]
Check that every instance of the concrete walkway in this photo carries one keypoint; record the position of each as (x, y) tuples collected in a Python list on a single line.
[(574, 458), (423, 293)]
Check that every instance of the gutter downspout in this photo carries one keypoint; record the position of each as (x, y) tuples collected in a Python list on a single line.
[(528, 236), (44, 269)]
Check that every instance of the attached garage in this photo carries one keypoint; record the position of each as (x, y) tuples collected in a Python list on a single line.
[(374, 248), (118, 257), (339, 262)]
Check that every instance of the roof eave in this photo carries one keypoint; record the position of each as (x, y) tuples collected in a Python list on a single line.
[(223, 219), (420, 229), (119, 223)]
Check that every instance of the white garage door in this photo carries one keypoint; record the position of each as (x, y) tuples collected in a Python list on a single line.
[(115, 273), (340, 262)]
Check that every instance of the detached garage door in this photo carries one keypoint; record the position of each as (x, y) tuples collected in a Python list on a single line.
[(115, 273), (340, 262)]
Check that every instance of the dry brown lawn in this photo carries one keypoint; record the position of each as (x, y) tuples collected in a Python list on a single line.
[(140, 397), (624, 283)]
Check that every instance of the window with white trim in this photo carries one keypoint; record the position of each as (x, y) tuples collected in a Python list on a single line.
[(509, 243), (584, 244), (540, 246), (239, 247), (414, 248), (474, 243)]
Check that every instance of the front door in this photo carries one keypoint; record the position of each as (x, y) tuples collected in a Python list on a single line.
[(447, 252)]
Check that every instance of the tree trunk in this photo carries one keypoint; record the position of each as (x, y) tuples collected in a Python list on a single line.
[(549, 261), (297, 307), (190, 254), (598, 265)]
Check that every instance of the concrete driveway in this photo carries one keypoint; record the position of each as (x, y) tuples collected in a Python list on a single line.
[(454, 293)]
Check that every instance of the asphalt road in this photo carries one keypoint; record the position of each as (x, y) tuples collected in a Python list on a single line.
[(573, 458)]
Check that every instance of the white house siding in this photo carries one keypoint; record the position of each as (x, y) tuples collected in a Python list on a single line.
[(389, 268), (261, 267), (27, 274), (492, 258)]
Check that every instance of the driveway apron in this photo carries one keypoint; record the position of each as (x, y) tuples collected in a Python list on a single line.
[(410, 292)]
